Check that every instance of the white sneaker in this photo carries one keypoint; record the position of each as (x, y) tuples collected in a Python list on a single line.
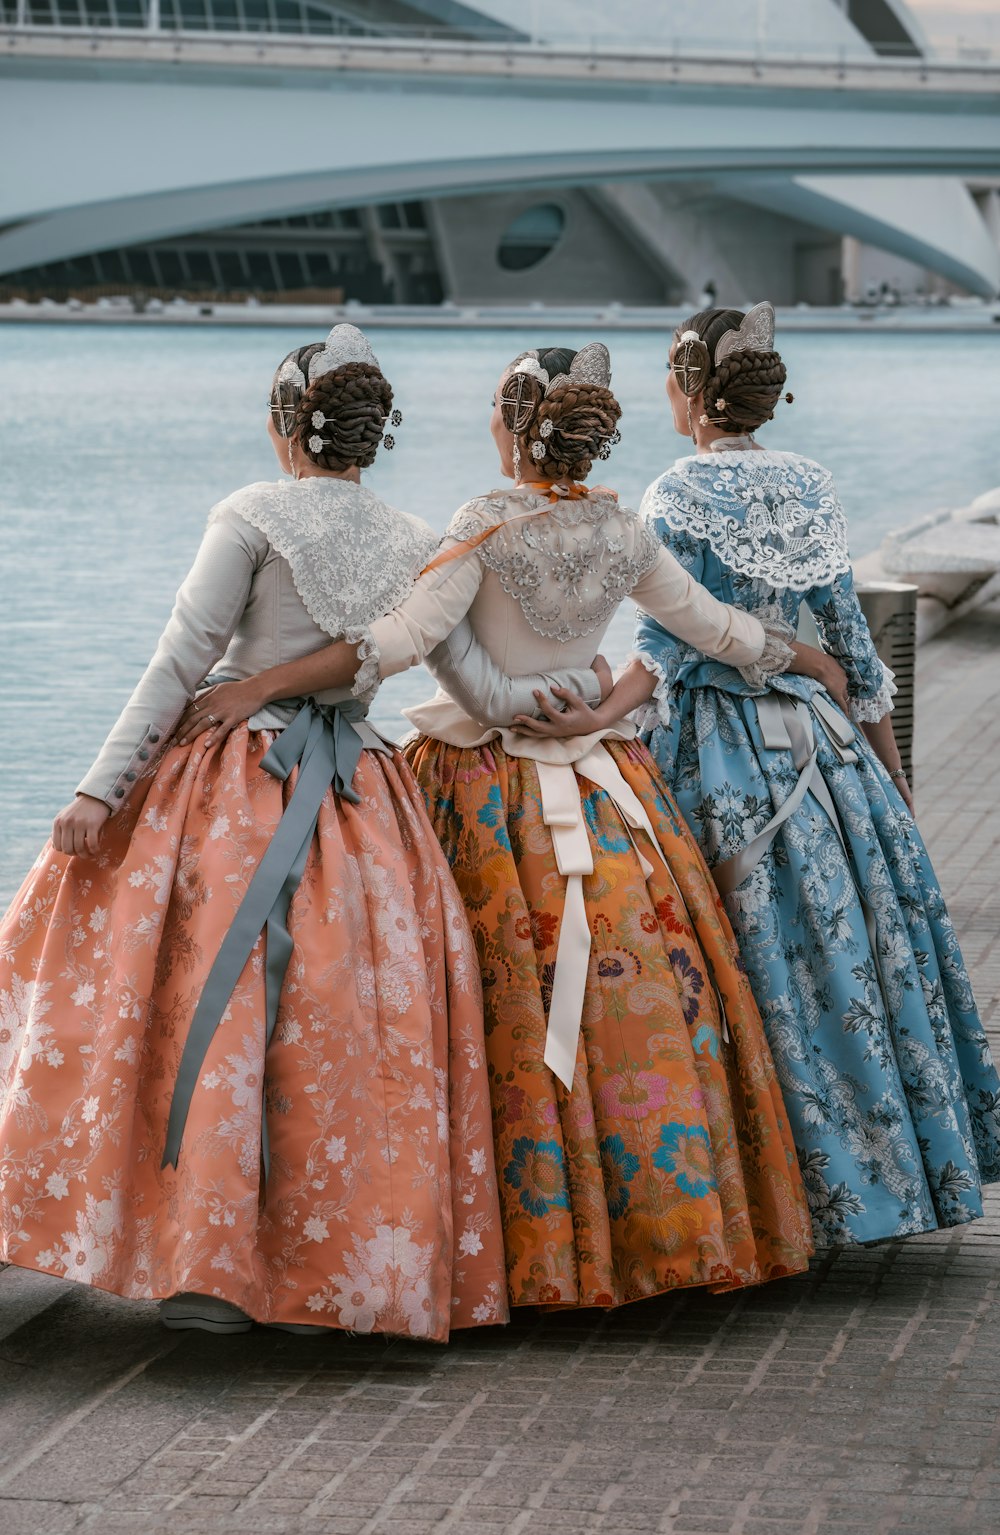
[(205, 1313)]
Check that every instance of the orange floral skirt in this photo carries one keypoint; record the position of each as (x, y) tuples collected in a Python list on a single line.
[(380, 1209), (670, 1162)]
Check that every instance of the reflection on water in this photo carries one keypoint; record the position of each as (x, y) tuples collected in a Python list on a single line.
[(117, 441)]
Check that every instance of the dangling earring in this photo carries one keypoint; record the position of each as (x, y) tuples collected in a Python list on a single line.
[(291, 464), (691, 424), (517, 461)]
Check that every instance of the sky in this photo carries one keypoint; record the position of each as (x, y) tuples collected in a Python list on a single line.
[(974, 21)]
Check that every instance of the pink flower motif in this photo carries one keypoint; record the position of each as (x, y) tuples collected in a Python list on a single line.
[(621, 1098)]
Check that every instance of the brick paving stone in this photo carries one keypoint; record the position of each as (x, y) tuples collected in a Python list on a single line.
[(863, 1397)]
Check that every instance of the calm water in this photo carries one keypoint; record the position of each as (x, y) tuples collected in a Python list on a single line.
[(117, 441)]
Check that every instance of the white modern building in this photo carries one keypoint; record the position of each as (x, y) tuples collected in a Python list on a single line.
[(493, 151)]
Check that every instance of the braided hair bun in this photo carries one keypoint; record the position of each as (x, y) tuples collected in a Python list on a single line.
[(341, 416), (573, 424), (565, 424), (742, 390)]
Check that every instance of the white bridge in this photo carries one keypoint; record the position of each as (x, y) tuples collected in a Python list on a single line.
[(133, 134)]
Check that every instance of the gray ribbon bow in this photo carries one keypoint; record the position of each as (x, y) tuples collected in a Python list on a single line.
[(324, 743)]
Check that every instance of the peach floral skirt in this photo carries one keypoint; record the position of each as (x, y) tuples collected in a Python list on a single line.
[(380, 1209)]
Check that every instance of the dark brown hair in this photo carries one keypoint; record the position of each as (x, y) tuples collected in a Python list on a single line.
[(354, 402), (575, 422), (742, 391)]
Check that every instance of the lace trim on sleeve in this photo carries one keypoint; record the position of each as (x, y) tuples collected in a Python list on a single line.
[(869, 711), (367, 678), (656, 711), (777, 655)]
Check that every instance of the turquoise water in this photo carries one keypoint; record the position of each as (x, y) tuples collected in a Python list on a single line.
[(117, 441)]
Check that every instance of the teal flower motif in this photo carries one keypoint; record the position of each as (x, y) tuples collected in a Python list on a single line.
[(606, 840), (494, 816), (686, 1151), (619, 1168), (538, 1169)]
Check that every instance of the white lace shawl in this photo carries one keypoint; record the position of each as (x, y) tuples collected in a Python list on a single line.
[(352, 557), (774, 517), (568, 564)]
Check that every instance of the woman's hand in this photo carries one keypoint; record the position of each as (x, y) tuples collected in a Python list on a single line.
[(906, 793), (602, 671), (574, 718), (811, 662), (219, 710), (78, 828)]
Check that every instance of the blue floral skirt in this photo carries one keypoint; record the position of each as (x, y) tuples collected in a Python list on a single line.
[(887, 1076)]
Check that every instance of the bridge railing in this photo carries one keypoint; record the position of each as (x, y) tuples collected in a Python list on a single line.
[(278, 20)]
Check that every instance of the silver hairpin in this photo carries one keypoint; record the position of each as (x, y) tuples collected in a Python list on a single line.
[(756, 333)]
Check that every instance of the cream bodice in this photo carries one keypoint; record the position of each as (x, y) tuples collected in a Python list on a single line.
[(540, 581)]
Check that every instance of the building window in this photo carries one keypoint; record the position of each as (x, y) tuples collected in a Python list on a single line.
[(531, 237)]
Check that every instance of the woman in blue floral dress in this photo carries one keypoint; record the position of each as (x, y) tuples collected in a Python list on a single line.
[(804, 816)]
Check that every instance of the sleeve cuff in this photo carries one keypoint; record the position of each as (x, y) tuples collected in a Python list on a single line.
[(115, 793), (868, 711), (657, 710), (777, 655)]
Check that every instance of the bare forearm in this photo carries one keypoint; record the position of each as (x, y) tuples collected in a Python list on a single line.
[(882, 742), (634, 687), (332, 667)]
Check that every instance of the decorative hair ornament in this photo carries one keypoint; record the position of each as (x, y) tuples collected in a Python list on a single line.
[(591, 365), (318, 418), (755, 334), (538, 451), (547, 427), (316, 444), (529, 365), (344, 344), (691, 364)]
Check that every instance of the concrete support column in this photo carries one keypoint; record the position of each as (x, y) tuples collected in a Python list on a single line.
[(379, 251), (850, 268)]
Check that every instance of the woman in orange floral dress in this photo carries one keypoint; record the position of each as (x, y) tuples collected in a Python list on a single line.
[(640, 1136), (146, 1145)]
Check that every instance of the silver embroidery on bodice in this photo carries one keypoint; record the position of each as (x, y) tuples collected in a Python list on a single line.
[(568, 565), (352, 557), (773, 517)]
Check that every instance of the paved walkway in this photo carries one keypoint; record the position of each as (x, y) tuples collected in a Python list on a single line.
[(863, 1398)]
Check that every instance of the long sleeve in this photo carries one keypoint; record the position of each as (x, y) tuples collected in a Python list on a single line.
[(846, 637), (406, 636), (469, 675), (688, 611), (660, 651), (206, 612)]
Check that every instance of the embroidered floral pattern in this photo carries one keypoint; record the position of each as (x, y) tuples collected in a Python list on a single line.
[(569, 565), (886, 1072), (380, 1212), (591, 1217)]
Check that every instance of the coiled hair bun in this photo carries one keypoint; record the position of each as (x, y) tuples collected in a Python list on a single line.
[(338, 419), (341, 417), (742, 390), (564, 423)]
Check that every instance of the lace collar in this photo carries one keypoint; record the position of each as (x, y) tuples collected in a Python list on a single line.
[(352, 557), (768, 516), (567, 563)]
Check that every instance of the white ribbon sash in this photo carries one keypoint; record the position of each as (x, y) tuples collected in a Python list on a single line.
[(562, 812)]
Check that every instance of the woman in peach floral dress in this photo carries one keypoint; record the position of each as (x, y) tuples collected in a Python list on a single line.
[(151, 1143)]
